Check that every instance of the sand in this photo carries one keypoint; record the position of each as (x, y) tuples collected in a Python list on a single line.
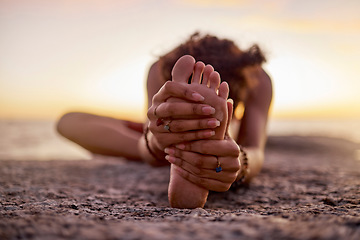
[(309, 189)]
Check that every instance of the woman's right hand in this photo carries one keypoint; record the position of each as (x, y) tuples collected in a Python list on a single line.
[(184, 121)]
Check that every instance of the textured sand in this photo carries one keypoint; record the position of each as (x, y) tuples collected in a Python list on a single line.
[(309, 189)]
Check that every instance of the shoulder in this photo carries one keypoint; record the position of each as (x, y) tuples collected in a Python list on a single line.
[(155, 76), (154, 70), (155, 80), (260, 95)]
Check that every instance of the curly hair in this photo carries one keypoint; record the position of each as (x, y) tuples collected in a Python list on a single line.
[(223, 54)]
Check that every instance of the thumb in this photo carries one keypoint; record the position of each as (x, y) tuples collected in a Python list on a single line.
[(230, 107)]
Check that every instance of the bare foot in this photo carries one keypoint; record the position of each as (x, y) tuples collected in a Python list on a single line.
[(206, 81)]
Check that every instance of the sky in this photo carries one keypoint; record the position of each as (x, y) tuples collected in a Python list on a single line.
[(61, 55)]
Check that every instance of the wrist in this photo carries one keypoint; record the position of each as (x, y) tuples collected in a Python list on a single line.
[(155, 156)]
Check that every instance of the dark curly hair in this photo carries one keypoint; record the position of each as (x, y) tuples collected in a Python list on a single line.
[(222, 54)]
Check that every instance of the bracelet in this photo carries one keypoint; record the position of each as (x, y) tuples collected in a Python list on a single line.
[(244, 165), (147, 142), (243, 172)]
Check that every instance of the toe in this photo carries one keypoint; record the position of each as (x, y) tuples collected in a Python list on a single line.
[(183, 69), (224, 90), (206, 74), (198, 70), (214, 80)]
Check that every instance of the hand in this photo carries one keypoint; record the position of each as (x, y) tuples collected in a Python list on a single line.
[(196, 161), (171, 114)]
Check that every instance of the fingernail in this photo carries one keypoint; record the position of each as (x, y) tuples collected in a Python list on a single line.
[(213, 123), (170, 159), (197, 97), (169, 151), (180, 146), (209, 133), (208, 110)]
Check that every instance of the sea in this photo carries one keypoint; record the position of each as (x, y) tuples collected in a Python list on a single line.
[(38, 140)]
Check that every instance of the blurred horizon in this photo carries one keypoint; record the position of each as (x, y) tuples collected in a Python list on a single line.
[(59, 56)]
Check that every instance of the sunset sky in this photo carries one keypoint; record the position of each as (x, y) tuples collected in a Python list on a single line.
[(93, 55)]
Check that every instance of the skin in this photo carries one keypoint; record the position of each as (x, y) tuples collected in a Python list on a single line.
[(191, 147), (182, 192)]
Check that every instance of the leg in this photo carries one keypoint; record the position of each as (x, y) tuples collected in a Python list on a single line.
[(181, 192), (101, 135)]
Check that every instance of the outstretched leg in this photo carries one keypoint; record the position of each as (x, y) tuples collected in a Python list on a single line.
[(102, 135), (181, 192)]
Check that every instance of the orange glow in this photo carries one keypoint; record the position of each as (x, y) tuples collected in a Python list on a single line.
[(331, 112), (94, 55)]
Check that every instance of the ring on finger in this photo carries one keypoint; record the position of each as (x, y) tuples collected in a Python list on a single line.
[(155, 110), (159, 121), (167, 126), (218, 168)]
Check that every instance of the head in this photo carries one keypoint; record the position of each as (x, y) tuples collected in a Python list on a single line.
[(223, 55)]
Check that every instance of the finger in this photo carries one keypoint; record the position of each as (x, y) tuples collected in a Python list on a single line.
[(189, 124), (176, 89), (223, 176), (196, 160), (201, 161), (167, 139), (177, 109), (210, 184), (212, 147), (230, 107)]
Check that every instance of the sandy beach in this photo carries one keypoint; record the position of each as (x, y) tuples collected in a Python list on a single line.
[(292, 69), (309, 189)]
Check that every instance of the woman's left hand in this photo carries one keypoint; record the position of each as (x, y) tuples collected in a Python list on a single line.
[(197, 162)]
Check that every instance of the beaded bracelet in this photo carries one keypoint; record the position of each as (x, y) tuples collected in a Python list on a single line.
[(244, 170), (244, 165), (147, 142)]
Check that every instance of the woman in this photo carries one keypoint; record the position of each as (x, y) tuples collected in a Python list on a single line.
[(189, 117)]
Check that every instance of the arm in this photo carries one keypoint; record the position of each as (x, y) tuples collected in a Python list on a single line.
[(252, 132), (152, 150), (153, 84)]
